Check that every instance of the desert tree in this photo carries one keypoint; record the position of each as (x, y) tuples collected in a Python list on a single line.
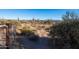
[(65, 34), (70, 16)]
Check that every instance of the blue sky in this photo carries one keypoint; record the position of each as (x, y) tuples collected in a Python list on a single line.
[(34, 13)]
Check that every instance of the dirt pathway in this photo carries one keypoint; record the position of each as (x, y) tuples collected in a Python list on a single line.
[(42, 43)]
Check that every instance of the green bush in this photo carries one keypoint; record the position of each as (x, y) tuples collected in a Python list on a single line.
[(30, 34), (26, 31), (65, 35)]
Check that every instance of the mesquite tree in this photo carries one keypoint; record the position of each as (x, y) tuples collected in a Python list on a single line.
[(66, 33)]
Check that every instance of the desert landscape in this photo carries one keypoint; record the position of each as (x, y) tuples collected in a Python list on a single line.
[(41, 33), (31, 34)]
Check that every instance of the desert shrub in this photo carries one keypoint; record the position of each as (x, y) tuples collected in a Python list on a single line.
[(30, 34), (49, 21), (26, 31), (65, 35), (47, 29)]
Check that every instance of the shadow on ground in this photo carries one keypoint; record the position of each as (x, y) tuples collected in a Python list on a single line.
[(33, 42)]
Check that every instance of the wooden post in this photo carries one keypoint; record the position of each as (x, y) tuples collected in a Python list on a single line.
[(7, 37)]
